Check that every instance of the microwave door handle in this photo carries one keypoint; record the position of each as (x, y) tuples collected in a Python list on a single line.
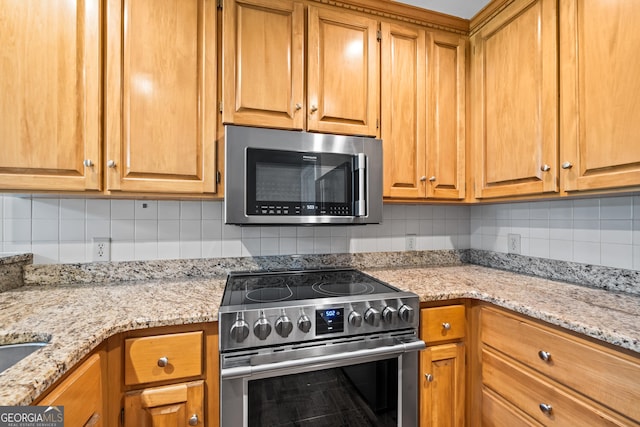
[(360, 168)]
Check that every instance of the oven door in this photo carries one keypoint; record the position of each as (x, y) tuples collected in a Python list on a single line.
[(358, 382)]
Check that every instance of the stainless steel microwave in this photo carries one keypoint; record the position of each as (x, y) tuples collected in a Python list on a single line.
[(289, 177)]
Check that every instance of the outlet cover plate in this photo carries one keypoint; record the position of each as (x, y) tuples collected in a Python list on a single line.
[(513, 240), (101, 249)]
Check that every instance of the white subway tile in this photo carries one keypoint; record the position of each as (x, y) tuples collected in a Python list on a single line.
[(250, 232), (288, 246), (586, 252), (122, 230), (561, 229), (44, 230), (144, 251), (45, 252), (561, 250), (212, 210), (439, 212), (270, 232), (539, 210), (288, 231), (98, 209), (72, 252), (413, 212), (231, 232), (211, 229), (425, 212), (168, 209), (464, 242), (72, 230), (251, 247), (616, 231), (45, 208), (539, 248), (475, 212), (72, 209), (190, 230), (520, 211), (561, 210), (17, 247), (617, 255), (190, 209), (586, 231), (636, 257), (169, 231), (398, 212), (269, 246), (231, 248), (322, 245), (169, 250), (616, 208), (146, 230), (211, 249), (16, 207), (190, 249), (122, 209), (146, 209), (586, 209), (539, 229), (304, 244)]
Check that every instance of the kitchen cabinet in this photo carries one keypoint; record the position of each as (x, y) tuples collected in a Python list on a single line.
[(264, 61), (423, 116), (515, 101), (81, 394), (442, 366), (599, 94), (160, 118), (50, 62), (535, 373), (170, 357)]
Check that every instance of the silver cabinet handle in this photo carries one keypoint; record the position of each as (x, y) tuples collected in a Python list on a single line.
[(298, 106), (314, 108), (111, 164), (193, 420), (546, 408), (423, 178), (163, 362), (545, 356), (567, 165), (545, 168), (428, 377), (446, 326), (432, 179), (88, 163)]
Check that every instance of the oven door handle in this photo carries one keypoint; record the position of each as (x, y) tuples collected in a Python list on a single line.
[(351, 356)]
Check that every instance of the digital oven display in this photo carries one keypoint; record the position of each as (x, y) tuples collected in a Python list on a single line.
[(329, 320)]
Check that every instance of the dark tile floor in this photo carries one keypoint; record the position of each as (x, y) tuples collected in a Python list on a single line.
[(313, 399)]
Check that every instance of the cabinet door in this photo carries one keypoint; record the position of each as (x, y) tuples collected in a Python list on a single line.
[(161, 81), (442, 395), (404, 130), (50, 103), (446, 116), (169, 406), (263, 63), (600, 99), (514, 103), (81, 394), (343, 69)]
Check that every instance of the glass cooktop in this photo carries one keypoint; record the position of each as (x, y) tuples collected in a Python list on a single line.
[(283, 286)]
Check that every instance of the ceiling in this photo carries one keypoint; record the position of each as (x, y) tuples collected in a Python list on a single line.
[(462, 8)]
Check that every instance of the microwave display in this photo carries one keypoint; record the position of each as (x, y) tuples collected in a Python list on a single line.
[(294, 183)]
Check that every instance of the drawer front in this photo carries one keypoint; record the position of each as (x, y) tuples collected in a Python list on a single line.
[(528, 392), (439, 324), (601, 375), (497, 412), (162, 357)]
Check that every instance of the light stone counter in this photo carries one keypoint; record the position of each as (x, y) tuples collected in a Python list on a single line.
[(77, 318)]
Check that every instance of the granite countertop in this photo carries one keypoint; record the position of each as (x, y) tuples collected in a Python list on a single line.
[(76, 318)]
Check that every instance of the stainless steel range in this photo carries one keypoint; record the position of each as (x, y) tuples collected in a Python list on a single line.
[(319, 347)]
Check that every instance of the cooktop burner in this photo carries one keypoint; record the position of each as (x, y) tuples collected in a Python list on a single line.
[(267, 287)]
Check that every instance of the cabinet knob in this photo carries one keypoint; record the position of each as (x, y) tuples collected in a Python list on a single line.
[(88, 163), (423, 178), (163, 362), (546, 408), (314, 108), (545, 356), (428, 377), (111, 164), (193, 421), (446, 326), (567, 165), (432, 179), (298, 106), (545, 168)]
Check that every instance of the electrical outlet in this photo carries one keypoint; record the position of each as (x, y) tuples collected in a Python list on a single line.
[(101, 249), (513, 241), (410, 242)]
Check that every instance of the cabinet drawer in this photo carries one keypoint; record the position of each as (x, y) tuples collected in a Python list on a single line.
[(529, 392), (162, 357), (498, 412), (80, 394), (442, 323), (602, 375)]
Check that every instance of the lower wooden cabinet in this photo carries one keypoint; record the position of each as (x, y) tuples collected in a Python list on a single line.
[(81, 394), (172, 405), (442, 396), (442, 366), (542, 376)]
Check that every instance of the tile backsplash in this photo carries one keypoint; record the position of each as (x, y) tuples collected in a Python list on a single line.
[(600, 231)]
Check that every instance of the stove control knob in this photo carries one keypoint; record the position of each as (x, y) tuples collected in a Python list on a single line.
[(262, 328), (406, 313), (284, 326), (239, 330), (355, 319), (304, 323), (372, 316), (388, 314)]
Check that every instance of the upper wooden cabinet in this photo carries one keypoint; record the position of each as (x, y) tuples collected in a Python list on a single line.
[(160, 96), (423, 113), (264, 62), (515, 101), (50, 104), (600, 92)]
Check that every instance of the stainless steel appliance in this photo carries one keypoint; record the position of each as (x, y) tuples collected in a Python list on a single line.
[(287, 177), (317, 348)]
